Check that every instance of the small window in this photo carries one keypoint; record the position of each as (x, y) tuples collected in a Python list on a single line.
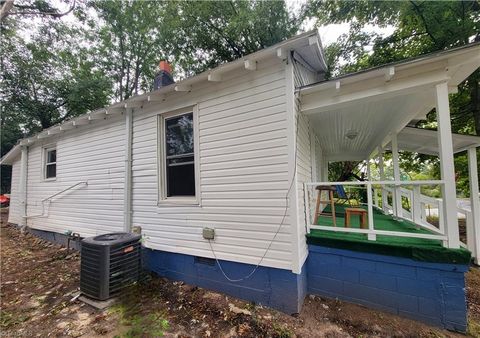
[(179, 155), (50, 163)]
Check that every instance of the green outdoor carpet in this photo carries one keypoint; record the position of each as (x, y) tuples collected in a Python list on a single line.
[(427, 250)]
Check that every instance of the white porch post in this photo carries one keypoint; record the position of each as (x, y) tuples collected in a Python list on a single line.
[(369, 170), (324, 170), (474, 202), (397, 203), (382, 178), (447, 167)]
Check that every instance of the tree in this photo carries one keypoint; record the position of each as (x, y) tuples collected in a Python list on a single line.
[(47, 77), (208, 33), (420, 27), (193, 35), (131, 37), (36, 7), (46, 80)]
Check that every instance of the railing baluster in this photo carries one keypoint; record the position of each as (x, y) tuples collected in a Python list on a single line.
[(470, 232), (371, 234), (416, 205)]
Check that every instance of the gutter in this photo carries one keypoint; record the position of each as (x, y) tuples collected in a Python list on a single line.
[(127, 198)]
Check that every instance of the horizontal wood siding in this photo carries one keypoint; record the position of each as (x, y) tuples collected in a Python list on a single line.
[(92, 153), (14, 213), (243, 171)]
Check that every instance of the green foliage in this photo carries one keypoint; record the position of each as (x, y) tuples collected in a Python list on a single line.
[(208, 33), (152, 325), (282, 331), (8, 319), (419, 27), (54, 69), (131, 40), (45, 80)]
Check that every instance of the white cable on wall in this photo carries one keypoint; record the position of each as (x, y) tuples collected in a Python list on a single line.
[(233, 280)]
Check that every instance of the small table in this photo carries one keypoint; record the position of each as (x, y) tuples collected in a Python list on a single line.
[(362, 213)]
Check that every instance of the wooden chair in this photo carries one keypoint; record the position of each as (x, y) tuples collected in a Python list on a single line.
[(330, 190), (343, 198)]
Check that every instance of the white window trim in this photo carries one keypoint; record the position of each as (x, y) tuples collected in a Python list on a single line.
[(161, 160), (45, 151)]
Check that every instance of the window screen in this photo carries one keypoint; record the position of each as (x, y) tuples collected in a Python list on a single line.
[(180, 163), (51, 163)]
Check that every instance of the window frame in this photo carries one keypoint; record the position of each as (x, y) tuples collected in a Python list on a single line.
[(162, 159), (46, 150)]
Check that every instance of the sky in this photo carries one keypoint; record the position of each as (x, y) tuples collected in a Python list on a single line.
[(331, 33)]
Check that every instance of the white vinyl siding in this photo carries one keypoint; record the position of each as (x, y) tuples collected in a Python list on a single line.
[(304, 174), (14, 213), (305, 155), (243, 170), (304, 76), (93, 153)]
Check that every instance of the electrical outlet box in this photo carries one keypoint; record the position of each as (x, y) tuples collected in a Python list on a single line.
[(208, 233)]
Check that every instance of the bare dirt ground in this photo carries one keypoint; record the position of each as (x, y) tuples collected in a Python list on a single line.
[(39, 280)]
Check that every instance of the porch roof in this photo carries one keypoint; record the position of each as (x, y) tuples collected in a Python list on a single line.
[(425, 141), (354, 114)]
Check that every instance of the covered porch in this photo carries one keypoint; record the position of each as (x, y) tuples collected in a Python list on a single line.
[(362, 116)]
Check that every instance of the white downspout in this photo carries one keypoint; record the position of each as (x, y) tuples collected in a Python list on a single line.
[(127, 199), (293, 203), (23, 186)]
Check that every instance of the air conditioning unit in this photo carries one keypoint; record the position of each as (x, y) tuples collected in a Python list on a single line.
[(109, 263)]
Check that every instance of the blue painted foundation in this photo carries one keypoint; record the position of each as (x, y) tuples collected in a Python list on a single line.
[(430, 292), (277, 288)]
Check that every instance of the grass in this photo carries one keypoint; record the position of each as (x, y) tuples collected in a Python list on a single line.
[(139, 321), (152, 325), (8, 319), (473, 328)]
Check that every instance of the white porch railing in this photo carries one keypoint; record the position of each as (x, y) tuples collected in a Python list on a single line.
[(424, 209), (421, 206), (414, 207), (387, 191), (469, 241)]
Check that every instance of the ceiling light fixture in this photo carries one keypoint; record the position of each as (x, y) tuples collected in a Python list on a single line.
[(351, 134)]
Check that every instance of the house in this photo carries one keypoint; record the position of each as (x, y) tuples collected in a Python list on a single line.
[(241, 149)]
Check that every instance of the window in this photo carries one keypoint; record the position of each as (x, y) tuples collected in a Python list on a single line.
[(50, 163), (178, 157)]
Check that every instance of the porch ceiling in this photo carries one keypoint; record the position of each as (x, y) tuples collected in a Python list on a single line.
[(371, 121), (354, 114)]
